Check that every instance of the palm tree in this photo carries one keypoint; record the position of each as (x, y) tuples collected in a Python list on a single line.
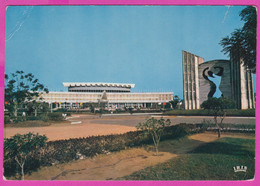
[(242, 42)]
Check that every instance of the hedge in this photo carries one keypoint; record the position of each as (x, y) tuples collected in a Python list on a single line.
[(201, 112), (55, 116), (66, 150), (61, 151), (240, 128), (7, 119)]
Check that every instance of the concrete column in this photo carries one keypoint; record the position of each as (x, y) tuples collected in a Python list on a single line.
[(196, 89), (51, 106), (191, 80)]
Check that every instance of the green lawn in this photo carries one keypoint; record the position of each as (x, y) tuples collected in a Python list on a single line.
[(212, 161)]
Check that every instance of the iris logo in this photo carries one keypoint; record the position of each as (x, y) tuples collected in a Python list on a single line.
[(240, 168)]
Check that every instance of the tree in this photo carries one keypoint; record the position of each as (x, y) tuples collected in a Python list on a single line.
[(92, 108), (34, 107), (155, 128), (242, 42), (21, 88), (130, 110), (175, 101), (19, 147), (218, 108)]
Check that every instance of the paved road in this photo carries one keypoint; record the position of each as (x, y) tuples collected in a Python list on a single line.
[(89, 125), (134, 120)]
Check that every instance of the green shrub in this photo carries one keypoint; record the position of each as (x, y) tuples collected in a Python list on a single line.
[(7, 119), (55, 116), (247, 112), (44, 118), (19, 147), (154, 128), (66, 150), (202, 112), (19, 119), (33, 118), (63, 110), (60, 110)]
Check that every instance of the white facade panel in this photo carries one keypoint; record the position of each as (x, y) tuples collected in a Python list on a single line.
[(72, 97)]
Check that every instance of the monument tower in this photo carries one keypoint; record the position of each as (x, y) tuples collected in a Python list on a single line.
[(236, 81)]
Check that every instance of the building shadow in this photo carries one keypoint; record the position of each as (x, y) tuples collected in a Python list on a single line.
[(219, 147), (192, 146)]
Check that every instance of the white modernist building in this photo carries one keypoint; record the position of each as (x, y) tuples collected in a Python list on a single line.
[(114, 95)]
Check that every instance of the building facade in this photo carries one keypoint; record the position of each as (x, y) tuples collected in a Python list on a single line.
[(112, 95)]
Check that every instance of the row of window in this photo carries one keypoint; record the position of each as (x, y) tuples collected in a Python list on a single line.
[(108, 95), (120, 99), (99, 90)]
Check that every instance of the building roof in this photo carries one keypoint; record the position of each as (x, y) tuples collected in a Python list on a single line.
[(73, 84)]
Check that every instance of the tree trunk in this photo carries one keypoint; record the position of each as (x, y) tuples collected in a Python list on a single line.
[(21, 164), (35, 112), (15, 110), (156, 148), (22, 171), (155, 143), (219, 130)]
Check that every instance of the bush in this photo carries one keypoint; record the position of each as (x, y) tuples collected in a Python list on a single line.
[(33, 118), (60, 110), (55, 116), (246, 113), (244, 128), (67, 150), (19, 119), (44, 118), (154, 128), (19, 147), (201, 112), (7, 119)]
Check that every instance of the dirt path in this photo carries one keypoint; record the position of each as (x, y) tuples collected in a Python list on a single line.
[(118, 164)]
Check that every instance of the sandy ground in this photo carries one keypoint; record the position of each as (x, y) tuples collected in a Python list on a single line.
[(119, 164), (67, 130), (70, 131)]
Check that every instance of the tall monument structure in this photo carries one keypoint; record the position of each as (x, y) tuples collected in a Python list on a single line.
[(191, 95), (236, 81)]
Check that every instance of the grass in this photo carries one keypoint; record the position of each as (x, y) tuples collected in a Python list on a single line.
[(212, 161)]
